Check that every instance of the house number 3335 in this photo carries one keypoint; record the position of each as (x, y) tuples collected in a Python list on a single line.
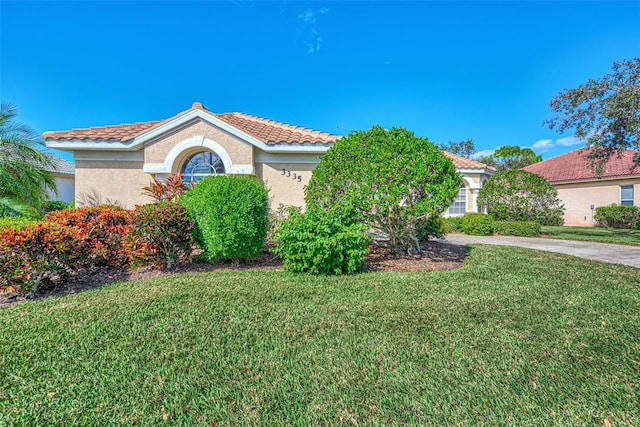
[(291, 175)]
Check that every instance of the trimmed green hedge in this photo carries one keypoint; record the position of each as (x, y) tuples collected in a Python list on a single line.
[(231, 216), (452, 223), (618, 216), (477, 224)]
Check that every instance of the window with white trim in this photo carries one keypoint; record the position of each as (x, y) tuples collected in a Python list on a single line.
[(459, 205), (626, 195), (201, 165)]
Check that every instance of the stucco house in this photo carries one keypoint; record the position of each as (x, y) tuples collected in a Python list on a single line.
[(64, 174), (582, 190), (116, 162)]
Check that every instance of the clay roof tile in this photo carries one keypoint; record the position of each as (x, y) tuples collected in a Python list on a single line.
[(573, 166), (265, 130)]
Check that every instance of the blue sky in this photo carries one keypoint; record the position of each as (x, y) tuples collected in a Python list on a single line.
[(445, 70)]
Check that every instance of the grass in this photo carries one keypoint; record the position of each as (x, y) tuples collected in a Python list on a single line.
[(592, 234), (514, 337)]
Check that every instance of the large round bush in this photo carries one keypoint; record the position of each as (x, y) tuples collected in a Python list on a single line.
[(231, 216), (395, 180), (519, 195)]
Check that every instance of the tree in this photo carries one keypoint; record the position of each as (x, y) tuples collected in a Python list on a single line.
[(24, 168), (605, 111), (511, 157), (464, 148), (394, 180), (519, 195)]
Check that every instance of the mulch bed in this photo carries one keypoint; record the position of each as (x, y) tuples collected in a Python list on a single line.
[(434, 256)]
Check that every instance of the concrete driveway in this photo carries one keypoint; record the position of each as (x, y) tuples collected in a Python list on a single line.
[(606, 252)]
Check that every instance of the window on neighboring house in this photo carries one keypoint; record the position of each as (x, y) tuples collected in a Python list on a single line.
[(459, 205), (201, 165), (626, 195)]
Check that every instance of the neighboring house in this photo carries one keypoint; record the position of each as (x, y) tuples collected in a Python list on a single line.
[(474, 175), (116, 162), (64, 174), (581, 190)]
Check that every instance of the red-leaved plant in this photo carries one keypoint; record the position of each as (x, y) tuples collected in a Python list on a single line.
[(169, 189)]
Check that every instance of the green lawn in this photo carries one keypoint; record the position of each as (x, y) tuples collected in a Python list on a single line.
[(515, 337), (605, 235)]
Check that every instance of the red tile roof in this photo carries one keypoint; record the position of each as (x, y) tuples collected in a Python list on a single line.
[(573, 166), (465, 163), (267, 131), (116, 132)]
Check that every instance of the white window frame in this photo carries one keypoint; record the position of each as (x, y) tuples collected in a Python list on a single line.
[(627, 202), (459, 202), (194, 177)]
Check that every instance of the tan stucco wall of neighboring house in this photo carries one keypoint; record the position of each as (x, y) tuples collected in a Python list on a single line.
[(239, 151), (115, 181), (579, 196)]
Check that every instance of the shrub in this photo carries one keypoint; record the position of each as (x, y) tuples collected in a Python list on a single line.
[(231, 216), (161, 235), (515, 228), (169, 189), (477, 224), (37, 255), (54, 205), (518, 195), (430, 227), (322, 242), (452, 223), (102, 230), (392, 178), (278, 216), (14, 222), (618, 216)]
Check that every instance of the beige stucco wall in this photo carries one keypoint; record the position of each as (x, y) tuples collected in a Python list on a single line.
[(283, 188), (115, 181), (473, 182), (240, 152), (578, 198)]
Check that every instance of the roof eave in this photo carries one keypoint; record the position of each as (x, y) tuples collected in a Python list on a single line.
[(595, 179), (92, 144), (485, 171)]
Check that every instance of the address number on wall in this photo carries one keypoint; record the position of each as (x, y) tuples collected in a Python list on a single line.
[(291, 175)]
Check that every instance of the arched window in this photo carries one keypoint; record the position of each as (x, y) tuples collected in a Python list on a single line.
[(459, 205), (201, 165)]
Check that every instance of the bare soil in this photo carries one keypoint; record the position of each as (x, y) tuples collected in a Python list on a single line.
[(434, 256)]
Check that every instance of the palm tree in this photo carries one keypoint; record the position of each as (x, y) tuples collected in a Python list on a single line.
[(25, 177)]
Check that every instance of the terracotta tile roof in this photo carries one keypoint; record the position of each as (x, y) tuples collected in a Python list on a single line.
[(465, 163), (272, 132), (267, 131), (573, 166), (116, 132)]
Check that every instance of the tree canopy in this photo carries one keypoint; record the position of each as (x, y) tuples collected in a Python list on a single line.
[(519, 195), (25, 179), (393, 179), (464, 148), (604, 111), (511, 157)]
